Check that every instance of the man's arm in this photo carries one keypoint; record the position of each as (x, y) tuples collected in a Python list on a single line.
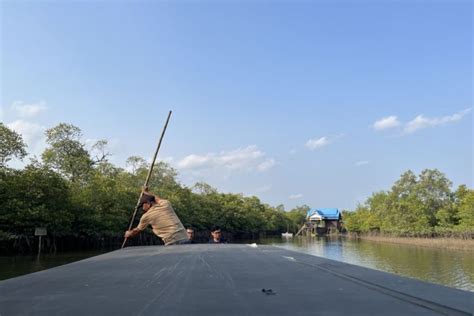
[(144, 221), (132, 233)]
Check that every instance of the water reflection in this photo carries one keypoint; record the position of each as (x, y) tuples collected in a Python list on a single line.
[(18, 265), (448, 267)]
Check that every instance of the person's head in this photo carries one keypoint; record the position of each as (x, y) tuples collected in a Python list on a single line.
[(216, 233), (146, 201), (190, 232)]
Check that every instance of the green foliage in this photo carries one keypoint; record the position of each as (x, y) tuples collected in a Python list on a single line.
[(414, 206), (34, 197), (433, 191), (11, 145), (103, 204), (466, 211), (296, 217), (77, 192), (66, 154), (71, 193), (352, 220)]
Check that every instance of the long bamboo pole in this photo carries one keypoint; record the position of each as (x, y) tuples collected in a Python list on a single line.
[(148, 176)]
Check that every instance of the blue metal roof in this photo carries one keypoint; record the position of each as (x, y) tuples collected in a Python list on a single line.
[(326, 213)]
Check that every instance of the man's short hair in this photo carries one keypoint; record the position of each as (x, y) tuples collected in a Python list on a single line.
[(145, 198), (214, 228)]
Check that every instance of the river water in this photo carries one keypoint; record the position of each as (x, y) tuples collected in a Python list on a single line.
[(447, 267), (451, 268)]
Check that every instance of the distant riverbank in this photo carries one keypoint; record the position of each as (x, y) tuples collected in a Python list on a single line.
[(434, 242)]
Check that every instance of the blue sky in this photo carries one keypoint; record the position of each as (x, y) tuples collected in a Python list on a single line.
[(315, 102)]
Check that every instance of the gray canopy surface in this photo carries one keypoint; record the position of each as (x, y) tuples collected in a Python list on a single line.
[(223, 279)]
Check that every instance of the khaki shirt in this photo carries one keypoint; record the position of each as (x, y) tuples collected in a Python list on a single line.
[(165, 222)]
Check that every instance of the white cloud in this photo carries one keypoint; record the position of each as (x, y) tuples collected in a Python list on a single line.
[(295, 196), (195, 161), (32, 134), (362, 163), (421, 121), (418, 123), (28, 110), (386, 123), (240, 158), (267, 164), (316, 143), (248, 158)]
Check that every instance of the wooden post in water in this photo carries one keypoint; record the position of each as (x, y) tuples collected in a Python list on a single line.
[(301, 229), (148, 176), (40, 231)]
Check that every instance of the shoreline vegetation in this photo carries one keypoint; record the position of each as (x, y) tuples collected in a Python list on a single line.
[(451, 243), (85, 202), (421, 205)]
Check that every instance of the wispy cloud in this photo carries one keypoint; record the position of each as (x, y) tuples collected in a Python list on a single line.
[(249, 158), (195, 161), (28, 110), (361, 163), (316, 143), (295, 196), (266, 165), (421, 121), (32, 134), (386, 123)]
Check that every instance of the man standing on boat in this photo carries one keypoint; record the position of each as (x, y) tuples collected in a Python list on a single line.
[(159, 214)]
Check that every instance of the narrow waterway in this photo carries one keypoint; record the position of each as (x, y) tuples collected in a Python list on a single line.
[(442, 266)]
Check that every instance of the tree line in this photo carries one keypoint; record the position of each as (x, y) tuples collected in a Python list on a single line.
[(422, 205), (84, 200)]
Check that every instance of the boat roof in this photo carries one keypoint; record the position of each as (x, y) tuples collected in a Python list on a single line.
[(222, 279)]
